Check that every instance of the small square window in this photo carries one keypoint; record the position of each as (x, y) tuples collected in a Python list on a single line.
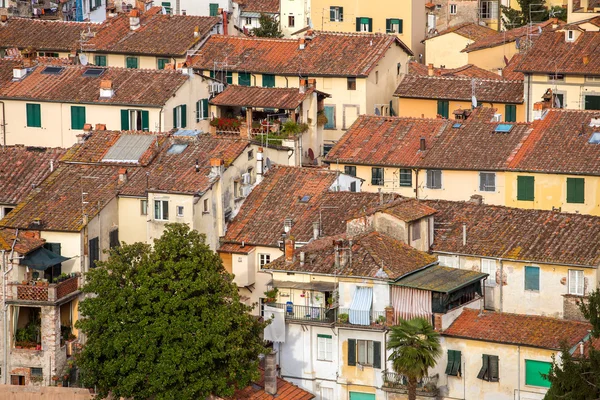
[(263, 259), (291, 21), (248, 21), (377, 176), (532, 278), (161, 210), (434, 179), (36, 372), (324, 347), (415, 232), (576, 282), (351, 83), (250, 154), (405, 178), (180, 211), (350, 170), (205, 206), (144, 207), (487, 181)]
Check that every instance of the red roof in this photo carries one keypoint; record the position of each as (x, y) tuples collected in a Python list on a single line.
[(468, 70), (26, 242), (509, 72), (261, 97), (517, 329), (285, 391), (259, 6), (470, 30)]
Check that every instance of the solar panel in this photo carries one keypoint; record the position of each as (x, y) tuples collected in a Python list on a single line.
[(177, 148), (595, 139), (503, 128), (94, 72), (129, 148), (457, 125), (52, 70)]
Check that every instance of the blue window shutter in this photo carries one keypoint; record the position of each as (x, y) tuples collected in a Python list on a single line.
[(330, 114), (124, 120), (145, 121), (183, 115), (532, 278)]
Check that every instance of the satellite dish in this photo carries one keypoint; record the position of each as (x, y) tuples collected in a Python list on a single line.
[(267, 164), (474, 102), (311, 154), (83, 59)]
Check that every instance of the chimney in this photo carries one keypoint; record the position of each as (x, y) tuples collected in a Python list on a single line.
[(312, 83), (271, 374), (134, 19), (196, 32), (476, 199), (259, 165), (500, 71), (216, 166), (122, 175), (290, 244), (3, 19), (302, 259), (316, 230), (100, 127), (422, 144), (301, 43), (389, 316), (87, 128), (586, 59), (106, 89), (19, 72), (430, 69), (37, 221), (464, 233), (224, 16)]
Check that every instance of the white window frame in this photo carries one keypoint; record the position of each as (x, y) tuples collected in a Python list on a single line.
[(448, 260), (159, 214), (180, 210), (249, 21), (205, 207), (453, 8), (336, 11), (488, 266), (368, 358), (178, 116), (263, 259), (364, 27), (327, 393), (570, 35), (144, 207), (324, 348), (491, 9), (576, 284), (430, 171), (487, 188), (4, 212), (395, 26), (415, 228)]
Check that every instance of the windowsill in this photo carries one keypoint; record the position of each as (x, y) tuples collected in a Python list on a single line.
[(409, 186), (160, 220), (487, 191), (325, 360), (205, 212), (532, 291), (180, 216)]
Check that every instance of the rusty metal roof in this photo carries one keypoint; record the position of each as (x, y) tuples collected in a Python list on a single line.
[(440, 279)]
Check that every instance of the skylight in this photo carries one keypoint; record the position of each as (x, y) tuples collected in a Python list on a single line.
[(93, 72), (457, 125), (177, 148), (503, 128), (52, 70), (305, 199), (595, 139)]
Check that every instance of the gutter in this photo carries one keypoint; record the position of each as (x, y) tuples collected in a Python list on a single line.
[(516, 260)]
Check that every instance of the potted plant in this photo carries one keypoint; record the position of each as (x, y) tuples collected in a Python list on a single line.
[(55, 378), (321, 118), (381, 320), (343, 318), (271, 295), (330, 302)]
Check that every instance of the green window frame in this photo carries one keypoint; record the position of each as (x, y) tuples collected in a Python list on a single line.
[(167, 6), (352, 352), (362, 21), (229, 77), (100, 61), (525, 188), (77, 117), (268, 80), (533, 373), (576, 190), (213, 9), (391, 22), (125, 120), (532, 278), (489, 368), (162, 62), (131, 62), (406, 178), (180, 116), (329, 112), (453, 367), (201, 109), (377, 178), (350, 170), (34, 115), (443, 108), (244, 78), (510, 113)]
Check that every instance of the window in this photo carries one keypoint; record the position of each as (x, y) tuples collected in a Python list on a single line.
[(205, 209), (36, 372), (131, 62), (406, 177), (488, 9), (510, 113), (77, 117), (535, 371), (213, 9), (326, 393), (144, 207), (324, 348), (113, 238), (167, 6), (268, 80), (248, 20), (34, 115), (488, 266), (434, 179), (364, 352), (443, 107), (532, 278), (179, 116), (180, 211), (329, 112), (336, 14), (244, 78), (454, 362), (250, 155), (393, 25), (377, 176), (415, 230), (576, 190), (201, 109), (351, 83), (452, 9), (525, 188), (327, 148), (448, 261), (559, 100), (17, 380), (135, 120), (364, 24), (263, 259), (570, 35), (350, 170), (94, 252), (487, 181), (5, 210), (353, 187), (291, 21), (556, 77), (592, 78), (100, 61), (592, 102), (489, 369), (576, 282), (161, 210), (162, 62)]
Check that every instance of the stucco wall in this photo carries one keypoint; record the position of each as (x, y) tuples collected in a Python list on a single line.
[(428, 108), (132, 224), (492, 58), (445, 50), (9, 392)]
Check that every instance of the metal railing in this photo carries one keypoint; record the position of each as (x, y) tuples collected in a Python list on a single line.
[(376, 318), (294, 312), (51, 292), (426, 386)]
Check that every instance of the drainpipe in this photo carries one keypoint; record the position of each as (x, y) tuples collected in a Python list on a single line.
[(519, 371), (5, 324), (3, 123), (416, 183), (501, 284)]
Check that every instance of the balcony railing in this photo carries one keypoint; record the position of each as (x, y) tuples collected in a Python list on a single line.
[(426, 387), (294, 312), (376, 318), (51, 292)]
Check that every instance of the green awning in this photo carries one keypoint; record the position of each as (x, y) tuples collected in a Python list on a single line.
[(42, 258)]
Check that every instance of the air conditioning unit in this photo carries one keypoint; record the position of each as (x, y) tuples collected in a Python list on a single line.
[(246, 178), (497, 118), (215, 88), (246, 190)]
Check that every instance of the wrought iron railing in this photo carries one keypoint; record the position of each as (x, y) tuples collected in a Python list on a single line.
[(295, 312), (376, 318), (425, 386)]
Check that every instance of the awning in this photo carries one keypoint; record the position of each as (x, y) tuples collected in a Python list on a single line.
[(441, 279), (318, 286), (42, 258), (250, 14), (360, 308)]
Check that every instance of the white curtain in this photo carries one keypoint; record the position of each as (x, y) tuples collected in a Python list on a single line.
[(15, 322), (410, 303), (275, 331)]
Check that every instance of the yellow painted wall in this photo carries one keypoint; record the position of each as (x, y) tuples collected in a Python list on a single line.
[(70, 247), (118, 60), (573, 89), (132, 223), (492, 58), (418, 108), (445, 50)]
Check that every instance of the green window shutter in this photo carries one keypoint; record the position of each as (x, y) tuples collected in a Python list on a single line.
[(162, 62), (175, 117), (532, 278), (399, 26), (211, 73), (183, 115), (132, 62), (525, 188), (124, 120), (493, 371), (453, 366), (576, 190), (357, 24), (377, 355), (351, 352), (243, 79), (483, 372), (388, 25), (510, 113), (370, 24), (214, 9), (198, 116), (77, 117), (534, 371), (229, 76), (331, 14), (341, 13), (145, 121), (268, 80), (100, 61), (442, 108), (204, 108), (34, 115)]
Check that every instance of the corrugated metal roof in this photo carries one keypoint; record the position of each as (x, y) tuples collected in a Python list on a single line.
[(360, 308), (250, 14), (128, 148), (441, 279), (318, 286)]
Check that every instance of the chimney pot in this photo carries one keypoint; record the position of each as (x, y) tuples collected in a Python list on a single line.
[(134, 19), (87, 128), (122, 175), (301, 258), (271, 374), (430, 69), (301, 43), (290, 244), (422, 144), (4, 18), (476, 199), (106, 89), (586, 59), (316, 230), (100, 127)]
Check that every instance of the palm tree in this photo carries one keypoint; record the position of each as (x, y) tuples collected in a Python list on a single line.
[(415, 346)]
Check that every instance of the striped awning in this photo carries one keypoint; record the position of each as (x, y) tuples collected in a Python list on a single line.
[(360, 308)]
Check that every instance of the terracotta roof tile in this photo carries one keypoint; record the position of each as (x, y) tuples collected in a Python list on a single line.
[(517, 234), (158, 34), (509, 72), (26, 241), (517, 329), (24, 168), (460, 88), (468, 70), (260, 6), (470, 30), (131, 86), (326, 54), (285, 391), (407, 210), (253, 96)]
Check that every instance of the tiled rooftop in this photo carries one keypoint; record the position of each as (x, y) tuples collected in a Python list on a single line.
[(516, 329), (468, 70), (26, 241), (261, 97), (470, 30), (24, 168), (285, 391), (260, 6), (517, 234), (406, 209), (326, 54), (509, 72)]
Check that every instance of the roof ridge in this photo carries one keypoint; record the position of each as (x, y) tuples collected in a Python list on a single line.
[(530, 316)]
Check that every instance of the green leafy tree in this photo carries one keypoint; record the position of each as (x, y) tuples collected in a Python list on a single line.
[(166, 322), (268, 27), (575, 376), (415, 346), (530, 11)]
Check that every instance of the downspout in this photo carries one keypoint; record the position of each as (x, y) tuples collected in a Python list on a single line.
[(416, 183), (519, 371), (160, 127), (286, 81), (501, 284), (4, 306), (254, 76), (528, 119), (3, 123)]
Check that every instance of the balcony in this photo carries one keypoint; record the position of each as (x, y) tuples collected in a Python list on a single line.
[(393, 382), (376, 318), (298, 313), (40, 292)]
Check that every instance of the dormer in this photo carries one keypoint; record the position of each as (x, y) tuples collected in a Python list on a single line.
[(572, 33)]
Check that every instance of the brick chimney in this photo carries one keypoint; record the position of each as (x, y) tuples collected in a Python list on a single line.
[(106, 89), (290, 244), (301, 43), (196, 32), (100, 127), (271, 374), (122, 175), (422, 144), (134, 19), (216, 166), (87, 128), (430, 69)]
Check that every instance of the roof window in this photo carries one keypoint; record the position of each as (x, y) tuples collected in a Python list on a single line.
[(595, 139), (93, 72), (52, 70), (305, 199), (457, 125), (503, 128), (177, 148)]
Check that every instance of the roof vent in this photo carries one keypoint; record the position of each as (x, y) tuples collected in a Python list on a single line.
[(134, 19), (106, 89), (37, 221)]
